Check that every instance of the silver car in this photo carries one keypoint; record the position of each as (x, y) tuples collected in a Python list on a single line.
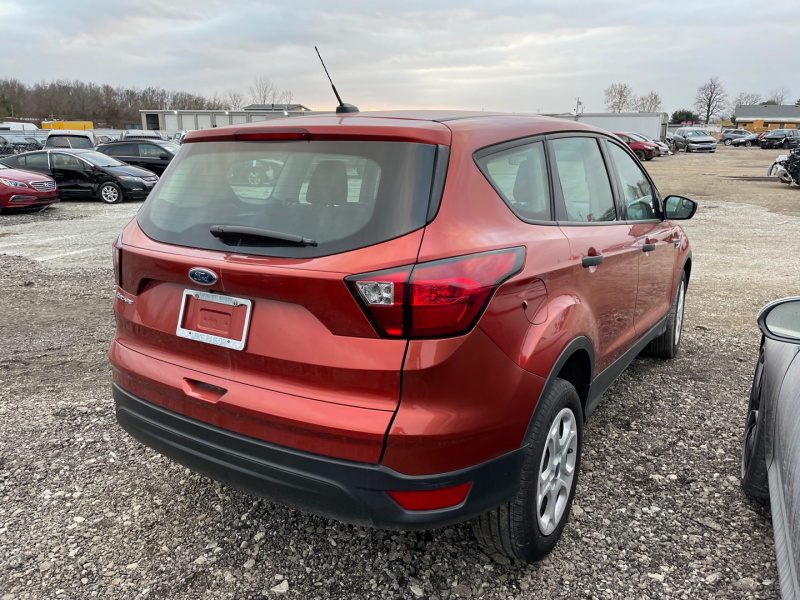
[(771, 448), (694, 139)]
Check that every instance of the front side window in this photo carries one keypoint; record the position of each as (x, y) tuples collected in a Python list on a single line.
[(520, 176), (122, 150), (584, 180), (638, 194), (341, 194), (67, 161)]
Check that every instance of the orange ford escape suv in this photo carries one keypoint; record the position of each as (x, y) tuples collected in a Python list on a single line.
[(407, 325)]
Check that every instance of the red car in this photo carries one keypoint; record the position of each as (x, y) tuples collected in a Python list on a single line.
[(642, 150), (23, 189), (406, 328)]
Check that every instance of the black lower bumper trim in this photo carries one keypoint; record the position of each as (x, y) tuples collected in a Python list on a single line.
[(348, 491)]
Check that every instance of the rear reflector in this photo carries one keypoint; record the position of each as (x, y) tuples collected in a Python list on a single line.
[(436, 299), (432, 499)]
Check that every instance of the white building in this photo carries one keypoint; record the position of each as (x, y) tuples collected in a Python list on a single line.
[(187, 120)]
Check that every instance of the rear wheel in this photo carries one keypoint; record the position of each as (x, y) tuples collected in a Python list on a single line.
[(748, 144), (667, 344), (754, 478), (110, 193), (728, 142), (527, 527)]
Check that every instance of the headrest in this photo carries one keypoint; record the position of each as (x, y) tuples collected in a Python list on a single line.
[(328, 184)]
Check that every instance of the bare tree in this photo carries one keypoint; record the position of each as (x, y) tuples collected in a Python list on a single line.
[(263, 91), (619, 97), (778, 96), (711, 99), (235, 99), (649, 103), (745, 99), (286, 97)]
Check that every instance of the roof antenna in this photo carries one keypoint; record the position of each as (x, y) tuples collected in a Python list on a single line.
[(342, 108)]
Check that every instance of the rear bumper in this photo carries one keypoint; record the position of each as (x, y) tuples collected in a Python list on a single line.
[(348, 491)]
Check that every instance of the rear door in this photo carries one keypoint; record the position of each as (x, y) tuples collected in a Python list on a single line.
[(604, 255), (651, 235)]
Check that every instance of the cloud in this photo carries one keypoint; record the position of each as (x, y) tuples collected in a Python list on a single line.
[(512, 56)]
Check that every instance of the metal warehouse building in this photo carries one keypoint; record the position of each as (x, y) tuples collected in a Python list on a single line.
[(186, 120)]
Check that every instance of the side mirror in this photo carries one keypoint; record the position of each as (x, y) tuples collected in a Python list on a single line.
[(780, 320), (679, 208), (164, 156)]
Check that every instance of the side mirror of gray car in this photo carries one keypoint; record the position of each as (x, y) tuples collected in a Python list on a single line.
[(679, 208), (780, 320)]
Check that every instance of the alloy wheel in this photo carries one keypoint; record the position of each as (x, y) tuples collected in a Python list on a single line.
[(556, 472)]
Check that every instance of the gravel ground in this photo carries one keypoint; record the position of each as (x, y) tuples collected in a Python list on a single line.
[(85, 511)]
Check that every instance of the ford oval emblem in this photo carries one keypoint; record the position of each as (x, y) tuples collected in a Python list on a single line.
[(203, 276)]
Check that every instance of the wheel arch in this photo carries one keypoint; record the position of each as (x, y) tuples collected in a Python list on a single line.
[(575, 364)]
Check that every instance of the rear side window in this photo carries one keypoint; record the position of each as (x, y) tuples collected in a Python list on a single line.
[(123, 150), (584, 180), (34, 160), (520, 177), (342, 194)]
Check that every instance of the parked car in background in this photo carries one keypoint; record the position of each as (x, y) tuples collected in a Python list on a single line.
[(66, 138), (409, 327), (85, 173), (142, 133), (34, 143), (153, 155), (22, 189), (663, 149), (747, 141), (771, 447), (255, 172), (730, 135), (643, 150), (781, 138), (14, 144), (694, 139)]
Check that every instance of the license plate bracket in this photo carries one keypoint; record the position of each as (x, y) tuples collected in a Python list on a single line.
[(214, 319)]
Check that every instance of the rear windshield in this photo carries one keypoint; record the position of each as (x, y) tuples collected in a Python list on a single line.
[(341, 194), (63, 141)]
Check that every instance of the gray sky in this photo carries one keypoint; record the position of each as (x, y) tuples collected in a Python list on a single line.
[(496, 55)]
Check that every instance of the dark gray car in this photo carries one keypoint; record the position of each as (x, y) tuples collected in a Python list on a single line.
[(771, 448)]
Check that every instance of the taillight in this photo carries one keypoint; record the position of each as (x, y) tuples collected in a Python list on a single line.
[(116, 259), (441, 298)]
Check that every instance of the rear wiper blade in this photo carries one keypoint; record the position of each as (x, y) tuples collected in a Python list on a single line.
[(253, 233)]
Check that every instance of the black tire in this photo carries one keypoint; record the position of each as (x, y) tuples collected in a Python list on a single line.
[(785, 144), (728, 142), (668, 343), (748, 144), (639, 154), (522, 529), (254, 178), (754, 477), (110, 193), (686, 149)]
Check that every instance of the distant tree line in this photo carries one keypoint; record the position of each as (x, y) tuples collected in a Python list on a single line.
[(115, 107)]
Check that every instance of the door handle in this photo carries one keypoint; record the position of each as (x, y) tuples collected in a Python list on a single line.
[(592, 261), (648, 247)]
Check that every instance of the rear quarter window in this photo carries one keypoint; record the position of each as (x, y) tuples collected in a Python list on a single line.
[(519, 175)]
